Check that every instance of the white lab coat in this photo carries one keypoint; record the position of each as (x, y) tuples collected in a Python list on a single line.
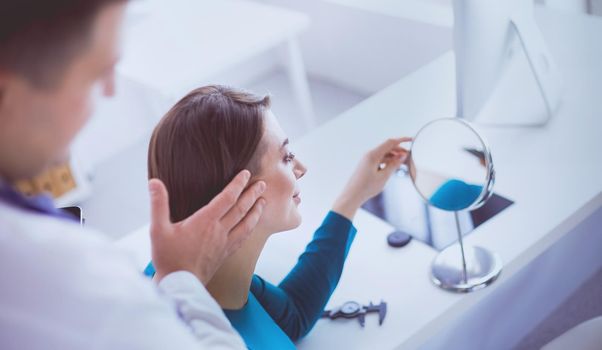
[(64, 287)]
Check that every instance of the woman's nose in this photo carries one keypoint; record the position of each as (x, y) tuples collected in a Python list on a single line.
[(300, 169)]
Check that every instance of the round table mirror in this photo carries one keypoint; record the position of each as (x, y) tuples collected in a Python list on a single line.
[(451, 167)]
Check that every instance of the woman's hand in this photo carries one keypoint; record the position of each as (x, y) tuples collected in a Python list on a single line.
[(371, 175)]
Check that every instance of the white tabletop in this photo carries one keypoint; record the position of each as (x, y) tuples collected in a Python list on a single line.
[(554, 175)]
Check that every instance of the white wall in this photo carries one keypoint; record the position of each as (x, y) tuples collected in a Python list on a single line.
[(365, 50), (593, 7)]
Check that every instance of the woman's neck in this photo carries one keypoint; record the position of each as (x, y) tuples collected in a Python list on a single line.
[(231, 283)]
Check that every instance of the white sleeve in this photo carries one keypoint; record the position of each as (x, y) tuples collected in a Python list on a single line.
[(179, 314), (71, 291), (200, 311)]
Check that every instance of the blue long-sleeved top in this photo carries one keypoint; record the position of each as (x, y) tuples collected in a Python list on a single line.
[(274, 316)]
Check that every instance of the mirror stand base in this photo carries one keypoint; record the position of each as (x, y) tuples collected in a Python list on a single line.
[(482, 268)]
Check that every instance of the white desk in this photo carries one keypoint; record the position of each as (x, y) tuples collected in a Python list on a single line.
[(554, 175)]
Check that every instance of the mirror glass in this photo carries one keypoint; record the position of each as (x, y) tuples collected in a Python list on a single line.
[(450, 165)]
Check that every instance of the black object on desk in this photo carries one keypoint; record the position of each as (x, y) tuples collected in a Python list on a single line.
[(398, 239), (352, 309)]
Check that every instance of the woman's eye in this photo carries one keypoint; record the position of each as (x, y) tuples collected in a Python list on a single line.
[(289, 157)]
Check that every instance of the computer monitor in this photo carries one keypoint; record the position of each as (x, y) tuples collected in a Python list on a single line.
[(505, 73)]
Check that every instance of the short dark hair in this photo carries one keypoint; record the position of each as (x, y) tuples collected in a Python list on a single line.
[(39, 38), (207, 138)]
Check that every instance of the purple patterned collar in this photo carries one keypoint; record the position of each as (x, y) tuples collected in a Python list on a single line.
[(42, 204)]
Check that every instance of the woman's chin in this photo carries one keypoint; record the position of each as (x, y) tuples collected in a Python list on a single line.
[(298, 223), (297, 218), (293, 223)]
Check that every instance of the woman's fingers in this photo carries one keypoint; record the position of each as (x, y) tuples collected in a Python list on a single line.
[(397, 152), (392, 160), (394, 164), (387, 146), (399, 149), (390, 157)]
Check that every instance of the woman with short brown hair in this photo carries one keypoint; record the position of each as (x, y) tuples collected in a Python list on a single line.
[(200, 145)]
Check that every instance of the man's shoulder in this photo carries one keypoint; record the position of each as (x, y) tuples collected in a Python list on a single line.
[(38, 251), (23, 225), (66, 287)]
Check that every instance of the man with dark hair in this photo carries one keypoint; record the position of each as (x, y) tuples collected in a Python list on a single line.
[(67, 289)]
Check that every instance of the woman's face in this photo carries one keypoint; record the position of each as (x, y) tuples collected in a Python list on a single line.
[(280, 170)]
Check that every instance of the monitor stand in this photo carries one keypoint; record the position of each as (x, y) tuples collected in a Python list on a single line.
[(528, 92)]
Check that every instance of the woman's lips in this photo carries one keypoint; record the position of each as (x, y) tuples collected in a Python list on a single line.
[(297, 198)]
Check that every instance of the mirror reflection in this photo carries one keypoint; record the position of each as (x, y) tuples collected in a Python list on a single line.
[(449, 166)]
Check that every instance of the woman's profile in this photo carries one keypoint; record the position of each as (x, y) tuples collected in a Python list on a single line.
[(208, 137)]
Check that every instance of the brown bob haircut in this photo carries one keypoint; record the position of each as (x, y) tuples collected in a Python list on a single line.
[(203, 141)]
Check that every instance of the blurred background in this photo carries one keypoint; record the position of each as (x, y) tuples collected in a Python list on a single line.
[(343, 50)]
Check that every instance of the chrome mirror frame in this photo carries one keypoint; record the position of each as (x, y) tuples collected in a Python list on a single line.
[(461, 268)]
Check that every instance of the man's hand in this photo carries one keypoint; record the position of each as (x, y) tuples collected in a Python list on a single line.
[(200, 243)]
